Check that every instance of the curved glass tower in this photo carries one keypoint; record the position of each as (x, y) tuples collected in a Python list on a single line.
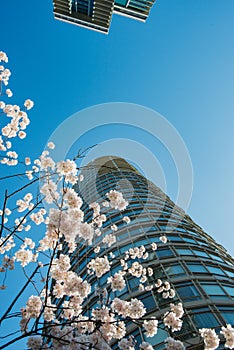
[(199, 269)]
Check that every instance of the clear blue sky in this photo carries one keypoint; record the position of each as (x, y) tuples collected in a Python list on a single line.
[(179, 63)]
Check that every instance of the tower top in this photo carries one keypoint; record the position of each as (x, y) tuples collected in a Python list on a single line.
[(97, 14)]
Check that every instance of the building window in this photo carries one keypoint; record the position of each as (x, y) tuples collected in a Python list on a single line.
[(201, 253), (174, 238), (197, 268), (162, 253), (188, 292), (125, 248), (192, 233), (158, 338), (183, 251), (137, 336), (215, 257), (228, 317), (133, 284), (154, 239), (148, 301), (203, 243), (229, 290), (141, 242), (228, 314), (158, 273), (229, 273), (215, 270), (204, 318), (189, 240), (122, 236), (174, 270), (135, 232), (213, 290), (103, 279)]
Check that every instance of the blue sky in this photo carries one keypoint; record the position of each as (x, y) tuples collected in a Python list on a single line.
[(179, 63)]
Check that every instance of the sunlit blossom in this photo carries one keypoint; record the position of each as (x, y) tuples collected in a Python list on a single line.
[(28, 104)]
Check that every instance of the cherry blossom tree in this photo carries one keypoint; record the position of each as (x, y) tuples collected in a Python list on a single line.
[(57, 315)]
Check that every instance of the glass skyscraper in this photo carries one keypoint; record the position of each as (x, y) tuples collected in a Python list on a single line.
[(199, 269), (97, 14)]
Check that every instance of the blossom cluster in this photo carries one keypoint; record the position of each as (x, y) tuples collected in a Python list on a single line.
[(134, 309), (7, 263), (116, 200), (17, 118), (165, 289), (99, 265), (117, 281), (210, 338), (228, 333), (151, 327), (6, 244), (172, 319), (172, 344)]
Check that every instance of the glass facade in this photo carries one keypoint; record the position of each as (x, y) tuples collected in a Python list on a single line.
[(199, 269), (82, 6), (97, 14)]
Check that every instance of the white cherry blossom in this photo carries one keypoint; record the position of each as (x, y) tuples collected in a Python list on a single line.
[(28, 104), (210, 338), (172, 344), (228, 333), (117, 282)]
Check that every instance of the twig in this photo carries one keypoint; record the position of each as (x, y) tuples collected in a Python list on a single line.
[(19, 294)]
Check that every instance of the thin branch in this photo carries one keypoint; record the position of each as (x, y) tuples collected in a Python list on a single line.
[(21, 222), (19, 294), (11, 176), (3, 210)]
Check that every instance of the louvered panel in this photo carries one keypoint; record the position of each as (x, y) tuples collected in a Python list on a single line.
[(83, 23), (100, 14), (63, 5), (102, 11)]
